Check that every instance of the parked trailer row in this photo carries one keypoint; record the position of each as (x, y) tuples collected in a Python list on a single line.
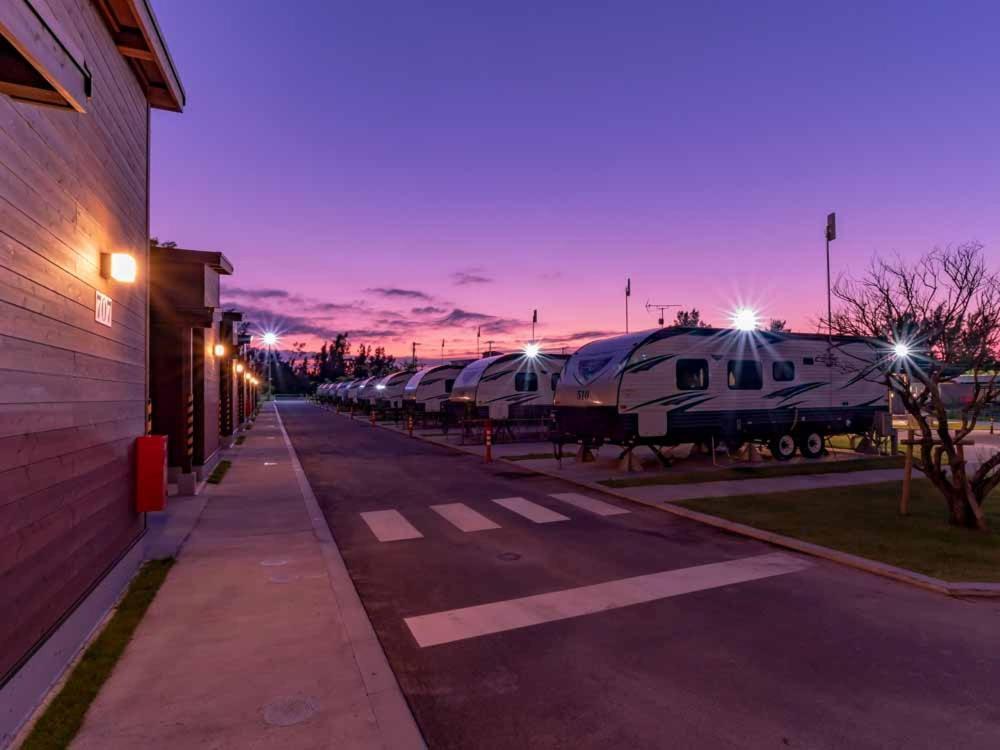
[(662, 387)]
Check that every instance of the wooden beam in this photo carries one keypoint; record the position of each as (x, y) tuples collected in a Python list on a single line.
[(131, 43), (37, 37)]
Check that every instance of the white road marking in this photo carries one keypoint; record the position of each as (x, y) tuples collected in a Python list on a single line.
[(588, 503), (464, 518), (531, 511), (389, 525), (497, 617)]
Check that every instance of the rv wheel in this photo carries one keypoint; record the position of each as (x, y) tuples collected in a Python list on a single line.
[(811, 445), (782, 447)]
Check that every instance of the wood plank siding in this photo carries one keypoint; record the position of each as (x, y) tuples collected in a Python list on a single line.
[(72, 391)]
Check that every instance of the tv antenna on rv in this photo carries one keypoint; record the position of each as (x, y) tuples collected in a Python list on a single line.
[(650, 307)]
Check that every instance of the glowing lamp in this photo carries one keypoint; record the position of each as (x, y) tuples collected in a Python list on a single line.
[(379, 387), (532, 350), (118, 266), (745, 319), (247, 376), (270, 338), (239, 367), (220, 350)]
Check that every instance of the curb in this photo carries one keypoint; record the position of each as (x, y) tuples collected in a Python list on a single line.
[(902, 575)]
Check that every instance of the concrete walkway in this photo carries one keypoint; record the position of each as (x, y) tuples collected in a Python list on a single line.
[(257, 638)]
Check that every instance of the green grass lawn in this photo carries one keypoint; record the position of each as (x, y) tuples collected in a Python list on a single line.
[(863, 520), (64, 716), (220, 471), (758, 471)]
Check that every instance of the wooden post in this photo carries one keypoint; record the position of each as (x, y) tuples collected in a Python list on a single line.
[(488, 439), (904, 500), (409, 424)]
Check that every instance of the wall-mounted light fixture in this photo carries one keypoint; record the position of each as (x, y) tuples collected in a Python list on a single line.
[(118, 266), (247, 375), (239, 367), (220, 350)]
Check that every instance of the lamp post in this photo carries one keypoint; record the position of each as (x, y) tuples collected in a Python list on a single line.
[(831, 235), (270, 339)]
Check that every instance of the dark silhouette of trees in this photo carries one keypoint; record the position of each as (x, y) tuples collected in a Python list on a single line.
[(690, 319)]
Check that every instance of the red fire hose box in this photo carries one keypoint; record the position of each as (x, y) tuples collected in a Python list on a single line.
[(151, 473)]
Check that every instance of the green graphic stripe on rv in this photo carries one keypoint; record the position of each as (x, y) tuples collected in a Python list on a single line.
[(648, 364), (795, 390), (690, 405), (677, 398), (495, 376)]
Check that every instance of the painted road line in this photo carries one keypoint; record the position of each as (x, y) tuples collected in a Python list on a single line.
[(588, 503), (531, 511), (464, 518), (497, 617), (389, 525)]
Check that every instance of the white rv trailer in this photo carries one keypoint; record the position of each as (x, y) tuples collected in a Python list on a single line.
[(323, 392), (366, 391), (389, 389), (430, 387), (339, 392), (507, 386), (354, 390), (688, 385)]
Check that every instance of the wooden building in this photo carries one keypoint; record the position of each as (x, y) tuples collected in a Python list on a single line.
[(188, 355), (78, 79)]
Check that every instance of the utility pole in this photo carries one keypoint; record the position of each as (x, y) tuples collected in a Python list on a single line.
[(414, 353), (534, 320), (628, 293), (831, 235), (479, 333)]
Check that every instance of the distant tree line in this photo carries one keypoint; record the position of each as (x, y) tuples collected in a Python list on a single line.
[(299, 371)]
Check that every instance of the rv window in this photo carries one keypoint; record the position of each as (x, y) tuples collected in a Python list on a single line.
[(526, 381), (807, 360), (692, 374), (588, 368), (783, 371), (448, 385), (745, 375)]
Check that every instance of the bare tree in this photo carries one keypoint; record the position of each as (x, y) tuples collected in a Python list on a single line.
[(941, 318), (777, 326), (690, 319)]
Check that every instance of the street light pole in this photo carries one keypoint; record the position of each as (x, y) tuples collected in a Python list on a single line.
[(831, 234)]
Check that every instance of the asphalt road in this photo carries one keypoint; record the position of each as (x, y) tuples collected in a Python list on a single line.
[(812, 656)]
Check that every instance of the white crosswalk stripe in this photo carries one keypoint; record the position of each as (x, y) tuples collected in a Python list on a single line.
[(597, 507), (389, 525), (531, 511), (464, 518)]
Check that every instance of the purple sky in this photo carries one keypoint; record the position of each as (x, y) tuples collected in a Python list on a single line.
[(490, 160)]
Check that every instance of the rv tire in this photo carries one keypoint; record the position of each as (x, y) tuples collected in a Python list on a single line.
[(811, 444), (782, 446)]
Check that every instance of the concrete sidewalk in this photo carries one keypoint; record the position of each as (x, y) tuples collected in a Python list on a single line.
[(257, 638)]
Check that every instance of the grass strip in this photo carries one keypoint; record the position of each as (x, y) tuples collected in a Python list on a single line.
[(758, 472), (864, 520), (60, 722), (219, 472)]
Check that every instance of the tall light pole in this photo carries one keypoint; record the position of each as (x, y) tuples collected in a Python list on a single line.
[(831, 235), (628, 293), (270, 338)]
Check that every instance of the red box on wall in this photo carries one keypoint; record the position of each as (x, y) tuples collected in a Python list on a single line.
[(151, 473)]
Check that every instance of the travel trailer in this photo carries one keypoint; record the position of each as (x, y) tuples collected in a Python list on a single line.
[(389, 390), (507, 386), (353, 390), (429, 388), (340, 391), (691, 385)]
